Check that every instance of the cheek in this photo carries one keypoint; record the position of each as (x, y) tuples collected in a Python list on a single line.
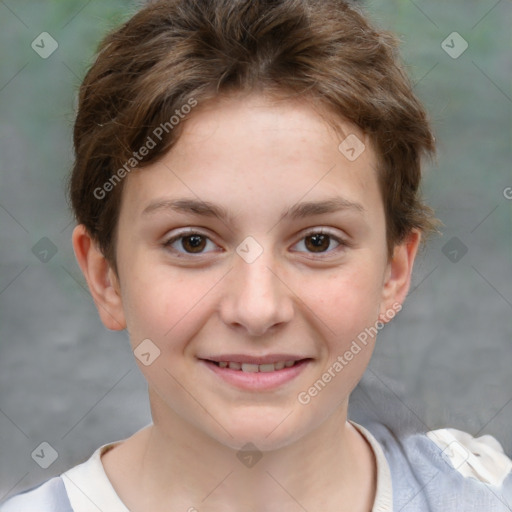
[(347, 312), (348, 299), (165, 308)]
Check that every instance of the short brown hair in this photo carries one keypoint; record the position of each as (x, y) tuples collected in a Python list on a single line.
[(176, 52)]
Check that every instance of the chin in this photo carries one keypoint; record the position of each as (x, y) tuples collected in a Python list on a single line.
[(260, 430)]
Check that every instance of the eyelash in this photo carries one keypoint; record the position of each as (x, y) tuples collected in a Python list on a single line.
[(342, 244)]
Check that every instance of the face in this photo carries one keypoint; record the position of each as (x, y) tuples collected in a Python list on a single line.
[(253, 257)]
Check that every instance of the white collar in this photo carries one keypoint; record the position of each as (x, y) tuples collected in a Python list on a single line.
[(89, 488)]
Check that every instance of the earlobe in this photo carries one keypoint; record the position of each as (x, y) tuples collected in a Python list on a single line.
[(398, 275), (101, 279)]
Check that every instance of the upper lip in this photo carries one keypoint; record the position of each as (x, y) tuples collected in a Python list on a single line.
[(244, 358)]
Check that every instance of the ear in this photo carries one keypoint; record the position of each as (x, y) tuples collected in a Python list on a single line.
[(101, 279), (398, 275)]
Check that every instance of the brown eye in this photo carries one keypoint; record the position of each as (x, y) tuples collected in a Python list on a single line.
[(318, 242), (192, 243)]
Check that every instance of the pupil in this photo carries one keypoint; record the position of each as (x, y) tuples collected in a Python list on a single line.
[(194, 242)]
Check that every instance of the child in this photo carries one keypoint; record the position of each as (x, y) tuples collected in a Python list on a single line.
[(246, 188)]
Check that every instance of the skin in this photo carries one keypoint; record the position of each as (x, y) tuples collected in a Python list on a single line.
[(255, 158)]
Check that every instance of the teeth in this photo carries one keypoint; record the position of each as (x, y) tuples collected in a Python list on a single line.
[(253, 368), (246, 367)]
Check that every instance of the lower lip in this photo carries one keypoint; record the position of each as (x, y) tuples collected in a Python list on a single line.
[(258, 381)]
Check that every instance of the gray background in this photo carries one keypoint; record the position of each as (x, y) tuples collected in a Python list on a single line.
[(66, 380)]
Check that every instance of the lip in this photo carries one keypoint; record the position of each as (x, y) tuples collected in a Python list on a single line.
[(257, 381)]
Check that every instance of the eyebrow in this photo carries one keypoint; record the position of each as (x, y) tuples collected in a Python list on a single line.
[(209, 209)]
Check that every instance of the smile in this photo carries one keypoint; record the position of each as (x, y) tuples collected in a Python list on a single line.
[(249, 367), (251, 374)]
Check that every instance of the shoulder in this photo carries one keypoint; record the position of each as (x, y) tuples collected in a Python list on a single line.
[(50, 496), (72, 491), (445, 470)]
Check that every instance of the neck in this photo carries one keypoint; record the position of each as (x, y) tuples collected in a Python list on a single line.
[(331, 468)]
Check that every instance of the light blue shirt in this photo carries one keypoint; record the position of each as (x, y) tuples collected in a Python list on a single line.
[(422, 481)]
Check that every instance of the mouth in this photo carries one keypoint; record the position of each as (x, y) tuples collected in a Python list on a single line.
[(257, 374), (254, 367)]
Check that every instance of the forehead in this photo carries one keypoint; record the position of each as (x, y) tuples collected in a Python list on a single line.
[(256, 155), (287, 128)]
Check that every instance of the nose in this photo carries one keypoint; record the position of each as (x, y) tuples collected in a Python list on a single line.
[(256, 298)]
